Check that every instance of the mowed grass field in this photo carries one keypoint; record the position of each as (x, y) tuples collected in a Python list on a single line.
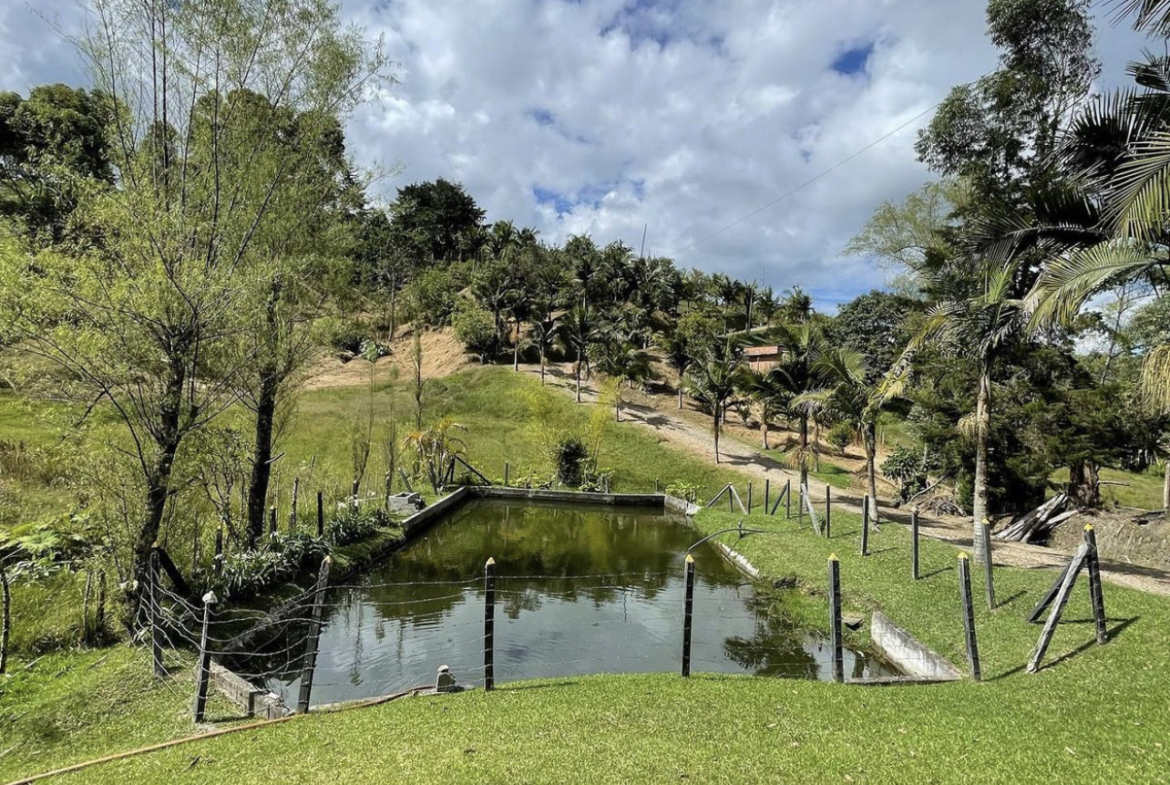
[(1094, 713)]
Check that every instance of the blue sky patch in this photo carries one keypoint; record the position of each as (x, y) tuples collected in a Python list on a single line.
[(853, 60)]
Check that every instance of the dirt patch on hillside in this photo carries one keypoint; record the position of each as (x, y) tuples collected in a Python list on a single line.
[(443, 355)]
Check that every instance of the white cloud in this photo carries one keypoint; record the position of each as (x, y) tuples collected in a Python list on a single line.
[(684, 115)]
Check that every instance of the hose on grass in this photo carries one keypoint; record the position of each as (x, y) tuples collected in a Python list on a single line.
[(220, 732)]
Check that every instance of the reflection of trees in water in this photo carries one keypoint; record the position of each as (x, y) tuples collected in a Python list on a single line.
[(632, 554)]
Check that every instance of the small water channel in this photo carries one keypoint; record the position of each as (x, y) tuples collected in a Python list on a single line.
[(580, 589)]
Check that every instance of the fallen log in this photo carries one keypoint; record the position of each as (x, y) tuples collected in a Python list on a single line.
[(1023, 528)]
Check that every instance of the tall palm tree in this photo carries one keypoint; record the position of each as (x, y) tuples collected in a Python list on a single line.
[(545, 333), (575, 337), (714, 380), (974, 324), (800, 348), (850, 398)]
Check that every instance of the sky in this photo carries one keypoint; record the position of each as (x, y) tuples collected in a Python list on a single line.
[(680, 117)]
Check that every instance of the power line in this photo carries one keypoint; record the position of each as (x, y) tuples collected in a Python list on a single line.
[(808, 182)]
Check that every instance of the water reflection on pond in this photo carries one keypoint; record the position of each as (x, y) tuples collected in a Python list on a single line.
[(580, 589)]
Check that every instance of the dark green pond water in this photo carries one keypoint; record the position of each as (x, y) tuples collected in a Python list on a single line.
[(579, 589)]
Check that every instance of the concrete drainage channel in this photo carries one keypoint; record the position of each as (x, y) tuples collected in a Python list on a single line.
[(896, 645)]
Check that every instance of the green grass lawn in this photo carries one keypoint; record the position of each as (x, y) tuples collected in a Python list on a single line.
[(1092, 714)]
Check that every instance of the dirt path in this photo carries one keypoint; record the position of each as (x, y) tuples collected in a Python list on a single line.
[(658, 413)]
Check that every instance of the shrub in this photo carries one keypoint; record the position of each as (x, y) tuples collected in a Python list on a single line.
[(475, 330), (840, 436), (351, 524), (681, 489), (431, 296), (280, 557), (905, 466), (571, 457)]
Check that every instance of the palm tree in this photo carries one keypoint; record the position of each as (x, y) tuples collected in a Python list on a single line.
[(849, 397), (545, 333), (800, 348), (575, 336), (968, 323), (714, 380), (769, 395), (625, 362)]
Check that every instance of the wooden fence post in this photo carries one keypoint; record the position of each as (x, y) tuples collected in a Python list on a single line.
[(749, 503), (767, 495), (489, 624), (837, 655), (828, 513), (788, 499), (272, 519), (1058, 602), (357, 487), (988, 572), (1095, 592), (657, 485), (292, 518), (730, 497), (154, 598), (688, 614), (405, 481), (204, 674), (311, 642), (507, 470), (914, 543), (320, 514), (968, 616), (800, 506), (864, 525)]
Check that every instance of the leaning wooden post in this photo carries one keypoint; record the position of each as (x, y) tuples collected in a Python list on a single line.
[(292, 518), (864, 525), (489, 624), (154, 598), (507, 470), (837, 655), (749, 504), (767, 495), (272, 519), (914, 543), (1058, 602), (828, 513), (788, 499), (1095, 592), (310, 664), (204, 674), (968, 616), (730, 497), (988, 572), (800, 506), (217, 562), (320, 514), (688, 615)]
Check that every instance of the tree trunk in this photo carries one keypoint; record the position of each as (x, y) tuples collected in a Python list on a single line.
[(680, 394), (716, 432), (1166, 490), (261, 459), (869, 437), (617, 403), (764, 430), (5, 617), (542, 367), (578, 375), (804, 450), (1084, 486), (516, 349), (982, 426)]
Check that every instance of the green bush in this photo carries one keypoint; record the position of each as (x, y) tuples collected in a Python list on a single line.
[(475, 330), (906, 468), (571, 456), (841, 436), (280, 558), (431, 297), (352, 524)]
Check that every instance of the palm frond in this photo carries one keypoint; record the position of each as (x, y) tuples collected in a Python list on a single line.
[(1067, 283), (1156, 379)]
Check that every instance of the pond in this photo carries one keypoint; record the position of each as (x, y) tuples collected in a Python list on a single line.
[(580, 589)]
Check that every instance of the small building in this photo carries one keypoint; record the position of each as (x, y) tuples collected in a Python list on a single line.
[(763, 358)]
